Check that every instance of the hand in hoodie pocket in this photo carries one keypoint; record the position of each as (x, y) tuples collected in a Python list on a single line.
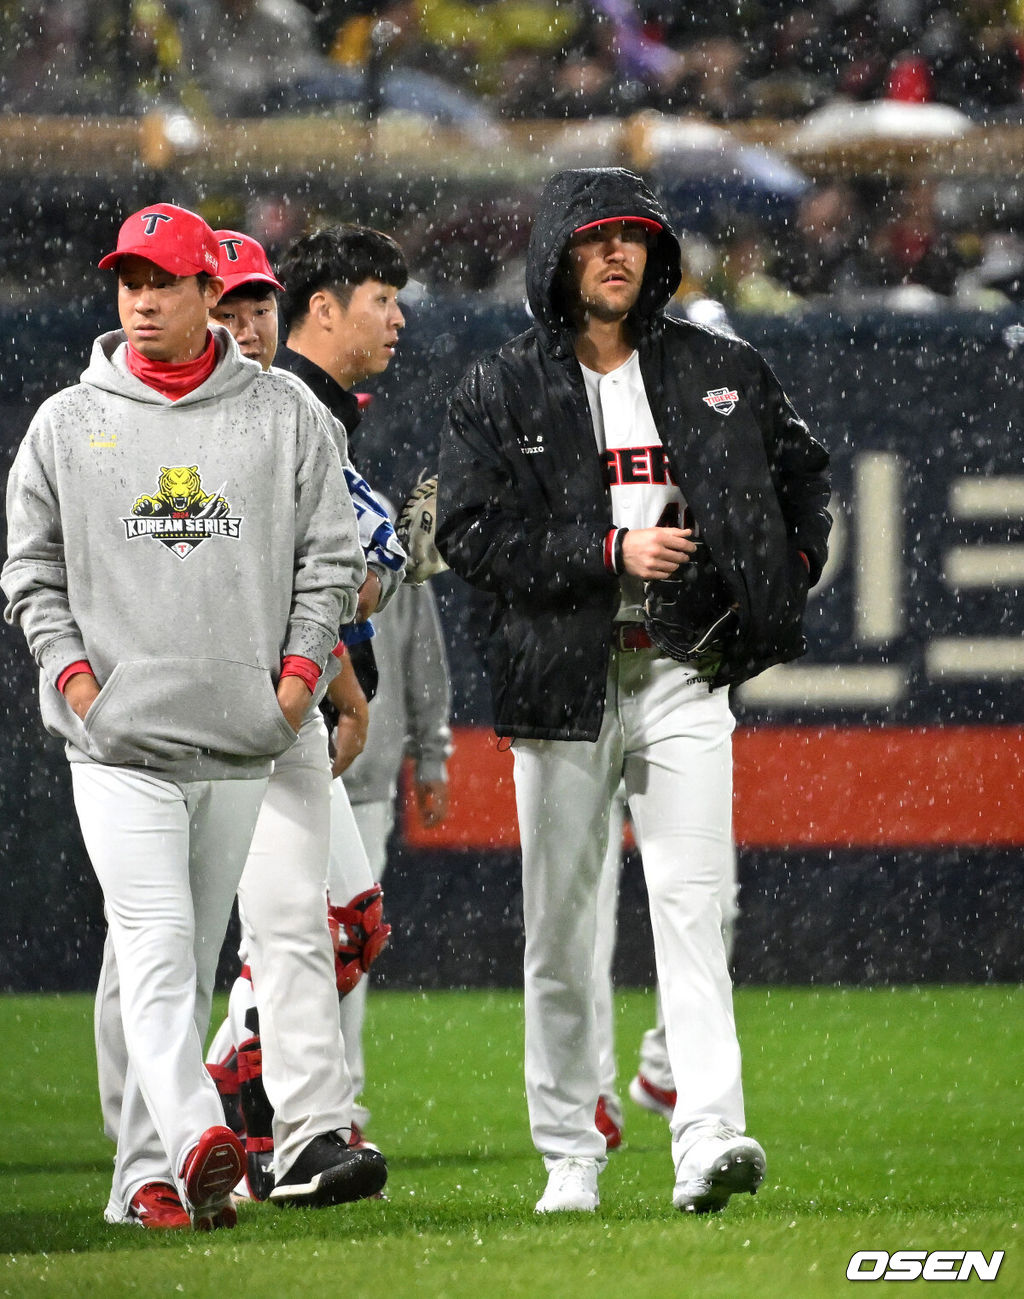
[(154, 711)]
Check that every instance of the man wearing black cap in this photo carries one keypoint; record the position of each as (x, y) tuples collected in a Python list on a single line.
[(608, 461)]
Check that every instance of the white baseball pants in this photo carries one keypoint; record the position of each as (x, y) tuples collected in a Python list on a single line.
[(349, 871), (669, 739), (604, 956), (168, 857), (282, 906), (653, 1062)]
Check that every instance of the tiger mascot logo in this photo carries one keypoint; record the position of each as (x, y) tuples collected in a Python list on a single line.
[(181, 515), (180, 494)]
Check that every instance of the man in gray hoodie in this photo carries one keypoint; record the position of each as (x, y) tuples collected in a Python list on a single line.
[(180, 584)]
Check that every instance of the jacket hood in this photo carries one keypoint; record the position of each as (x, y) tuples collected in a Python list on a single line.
[(232, 373), (574, 198)]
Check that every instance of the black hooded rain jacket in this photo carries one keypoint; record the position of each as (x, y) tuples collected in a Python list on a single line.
[(524, 506)]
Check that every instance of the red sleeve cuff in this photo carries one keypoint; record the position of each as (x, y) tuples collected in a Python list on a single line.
[(80, 665), (339, 650), (306, 670), (609, 543)]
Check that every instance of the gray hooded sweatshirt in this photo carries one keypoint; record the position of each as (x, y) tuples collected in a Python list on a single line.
[(182, 548)]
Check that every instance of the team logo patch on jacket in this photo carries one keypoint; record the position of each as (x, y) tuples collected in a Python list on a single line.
[(181, 516), (722, 400)]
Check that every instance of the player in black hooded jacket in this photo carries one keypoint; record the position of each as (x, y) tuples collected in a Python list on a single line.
[(524, 502), (540, 487)]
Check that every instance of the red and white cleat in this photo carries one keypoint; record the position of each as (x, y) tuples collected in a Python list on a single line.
[(211, 1170), (157, 1206)]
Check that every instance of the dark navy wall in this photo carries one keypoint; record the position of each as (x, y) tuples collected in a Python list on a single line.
[(933, 404)]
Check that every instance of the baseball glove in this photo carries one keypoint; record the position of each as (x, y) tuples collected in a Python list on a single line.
[(690, 615), (417, 520)]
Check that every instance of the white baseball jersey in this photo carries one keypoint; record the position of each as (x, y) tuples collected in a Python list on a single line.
[(643, 493)]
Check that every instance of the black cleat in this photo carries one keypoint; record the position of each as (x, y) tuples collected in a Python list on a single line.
[(329, 1171)]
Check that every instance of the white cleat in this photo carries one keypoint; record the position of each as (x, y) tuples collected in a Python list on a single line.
[(719, 1163), (571, 1188)]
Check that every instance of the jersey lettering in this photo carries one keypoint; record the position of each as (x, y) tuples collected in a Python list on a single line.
[(670, 517), (629, 466)]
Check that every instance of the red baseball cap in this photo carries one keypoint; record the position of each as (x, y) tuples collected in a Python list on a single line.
[(633, 220), (243, 261), (170, 237)]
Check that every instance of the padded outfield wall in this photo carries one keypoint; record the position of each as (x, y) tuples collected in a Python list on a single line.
[(879, 803)]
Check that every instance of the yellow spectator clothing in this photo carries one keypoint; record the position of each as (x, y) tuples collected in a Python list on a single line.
[(492, 32)]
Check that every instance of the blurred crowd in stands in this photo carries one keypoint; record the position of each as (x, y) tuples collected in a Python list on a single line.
[(857, 244), (730, 60), (528, 58), (466, 62)]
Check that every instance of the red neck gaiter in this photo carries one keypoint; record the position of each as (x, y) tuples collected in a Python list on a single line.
[(173, 381)]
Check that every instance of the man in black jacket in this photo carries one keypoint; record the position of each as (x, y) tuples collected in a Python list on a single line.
[(342, 322), (592, 462)]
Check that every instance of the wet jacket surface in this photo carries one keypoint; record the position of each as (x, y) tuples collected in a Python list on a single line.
[(524, 505)]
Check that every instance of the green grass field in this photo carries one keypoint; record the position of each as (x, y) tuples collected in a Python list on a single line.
[(891, 1117)]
